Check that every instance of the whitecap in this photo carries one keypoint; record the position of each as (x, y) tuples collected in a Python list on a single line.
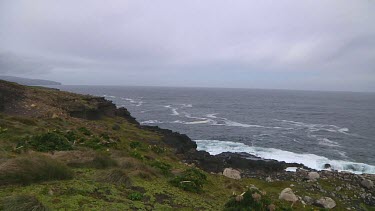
[(237, 124), (291, 169), (151, 122), (109, 96), (187, 105), (313, 161), (317, 127), (193, 123), (212, 115), (174, 110), (327, 142), (187, 115)]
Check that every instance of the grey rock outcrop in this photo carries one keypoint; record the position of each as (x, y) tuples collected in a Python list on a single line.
[(325, 202), (232, 173), (288, 195)]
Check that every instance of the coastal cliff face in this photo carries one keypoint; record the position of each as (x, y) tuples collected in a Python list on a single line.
[(88, 154)]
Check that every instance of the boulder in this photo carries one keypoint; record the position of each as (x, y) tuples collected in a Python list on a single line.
[(367, 183), (308, 200), (232, 173), (288, 195), (313, 176), (325, 202)]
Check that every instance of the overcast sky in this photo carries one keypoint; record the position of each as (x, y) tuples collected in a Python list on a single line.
[(314, 45)]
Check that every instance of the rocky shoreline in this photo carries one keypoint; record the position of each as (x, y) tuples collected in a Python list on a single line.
[(319, 186), (244, 165)]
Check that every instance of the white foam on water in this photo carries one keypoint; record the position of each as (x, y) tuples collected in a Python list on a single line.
[(212, 115), (109, 96), (327, 142), (187, 105), (187, 115), (313, 161), (237, 124), (130, 100), (198, 122), (193, 122), (317, 127), (291, 169), (151, 122), (174, 110)]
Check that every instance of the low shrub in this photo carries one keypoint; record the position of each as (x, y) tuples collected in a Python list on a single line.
[(116, 127), (191, 180), (115, 176), (105, 136), (93, 143), (135, 144), (252, 199), (136, 154), (157, 149), (46, 142), (72, 136), (135, 196), (23, 202), (24, 120), (26, 170), (165, 168), (85, 131), (98, 143), (3, 130)]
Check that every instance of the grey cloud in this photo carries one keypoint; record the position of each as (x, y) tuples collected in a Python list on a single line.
[(243, 40), (13, 64)]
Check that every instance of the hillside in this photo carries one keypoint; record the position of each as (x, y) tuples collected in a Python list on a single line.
[(28, 81), (65, 151)]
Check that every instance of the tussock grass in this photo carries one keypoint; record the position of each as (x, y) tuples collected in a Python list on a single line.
[(26, 170), (115, 176), (23, 203), (100, 161), (137, 168)]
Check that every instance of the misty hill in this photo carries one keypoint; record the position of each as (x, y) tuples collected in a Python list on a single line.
[(28, 81)]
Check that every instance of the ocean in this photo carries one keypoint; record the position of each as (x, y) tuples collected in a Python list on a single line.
[(309, 127)]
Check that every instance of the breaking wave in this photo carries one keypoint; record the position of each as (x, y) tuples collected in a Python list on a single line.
[(316, 127), (310, 160), (148, 122), (174, 110)]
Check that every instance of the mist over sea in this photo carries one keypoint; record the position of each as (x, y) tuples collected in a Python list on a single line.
[(309, 127)]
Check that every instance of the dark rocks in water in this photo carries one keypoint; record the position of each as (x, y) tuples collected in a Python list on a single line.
[(180, 142), (184, 146), (327, 166)]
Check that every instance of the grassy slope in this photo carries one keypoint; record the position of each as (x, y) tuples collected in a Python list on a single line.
[(86, 192)]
